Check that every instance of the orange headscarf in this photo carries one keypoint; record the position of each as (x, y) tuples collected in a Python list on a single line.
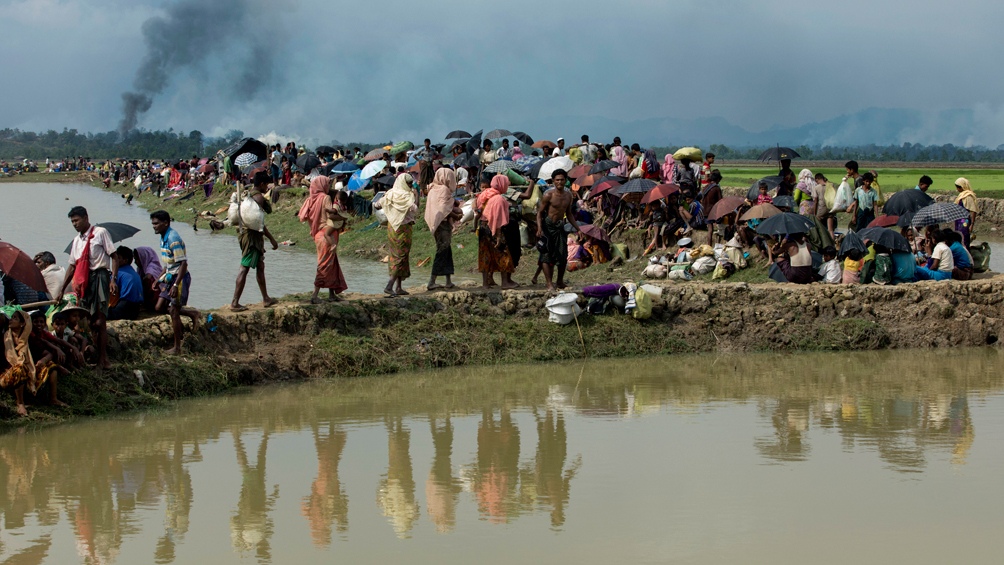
[(494, 207), (313, 207)]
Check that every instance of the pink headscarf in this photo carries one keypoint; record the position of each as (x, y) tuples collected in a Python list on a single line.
[(667, 168), (494, 206), (617, 154), (440, 201), (313, 207)]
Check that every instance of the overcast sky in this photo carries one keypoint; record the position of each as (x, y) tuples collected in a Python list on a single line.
[(372, 71)]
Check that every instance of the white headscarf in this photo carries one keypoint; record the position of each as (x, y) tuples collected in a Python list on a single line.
[(398, 201)]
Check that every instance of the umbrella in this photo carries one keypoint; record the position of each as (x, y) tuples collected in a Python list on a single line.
[(584, 181), (372, 169), (356, 182), (578, 171), (545, 143), (374, 154), (754, 191), (939, 213), (498, 134), (725, 206), (500, 166), (603, 166), (307, 162), (207, 168), (884, 221), (385, 180), (554, 164), (659, 192), (785, 223), (906, 201), (247, 145), (474, 143), (595, 232), (457, 134), (20, 267), (636, 185), (852, 240), (526, 162), (253, 168), (890, 239), (602, 186), (522, 137), (778, 153), (117, 231), (245, 159), (466, 160), (760, 212), (326, 149), (784, 201), (345, 167)]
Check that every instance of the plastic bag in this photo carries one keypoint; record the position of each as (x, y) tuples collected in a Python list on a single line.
[(843, 198), (643, 305), (704, 265), (252, 216)]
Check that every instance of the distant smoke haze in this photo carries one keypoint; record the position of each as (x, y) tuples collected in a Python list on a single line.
[(246, 33)]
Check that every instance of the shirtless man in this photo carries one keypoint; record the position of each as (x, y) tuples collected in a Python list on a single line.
[(555, 207)]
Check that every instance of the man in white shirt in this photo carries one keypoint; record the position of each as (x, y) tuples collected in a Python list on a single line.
[(95, 283), (559, 151), (588, 150)]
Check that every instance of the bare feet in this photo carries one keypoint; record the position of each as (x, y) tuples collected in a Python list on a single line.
[(315, 300), (334, 298), (21, 410), (510, 285), (402, 292), (60, 404), (434, 287), (562, 285), (238, 308), (270, 303), (449, 286)]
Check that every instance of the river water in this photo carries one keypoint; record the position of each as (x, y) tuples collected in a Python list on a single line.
[(33, 218), (890, 457)]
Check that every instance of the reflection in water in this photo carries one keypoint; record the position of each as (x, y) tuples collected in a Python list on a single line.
[(396, 492), (442, 490), (133, 482), (251, 526), (327, 503)]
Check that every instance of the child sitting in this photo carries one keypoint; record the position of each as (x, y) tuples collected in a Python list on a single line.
[(852, 267), (830, 272)]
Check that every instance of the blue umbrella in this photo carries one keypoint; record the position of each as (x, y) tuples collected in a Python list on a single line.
[(356, 182), (345, 167)]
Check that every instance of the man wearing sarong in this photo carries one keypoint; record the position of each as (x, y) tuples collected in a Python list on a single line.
[(424, 157), (252, 244), (555, 208), (92, 273)]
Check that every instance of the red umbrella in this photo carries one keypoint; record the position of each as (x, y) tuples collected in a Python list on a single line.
[(595, 232), (884, 221), (578, 171), (206, 168), (725, 206), (659, 192), (20, 267), (602, 187), (583, 182), (543, 143)]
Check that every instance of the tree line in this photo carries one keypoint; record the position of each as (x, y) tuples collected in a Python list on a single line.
[(169, 144)]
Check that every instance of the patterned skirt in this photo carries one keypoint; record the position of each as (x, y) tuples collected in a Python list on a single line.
[(493, 253), (400, 249)]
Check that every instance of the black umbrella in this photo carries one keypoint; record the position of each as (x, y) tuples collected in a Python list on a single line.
[(906, 201), (326, 149), (603, 166), (386, 180), (474, 143), (754, 190), (785, 223), (635, 185), (255, 167), (535, 169), (465, 160), (890, 239), (498, 134), (247, 145), (784, 201), (522, 137), (938, 213), (778, 153), (307, 162), (852, 240), (457, 134), (117, 231)]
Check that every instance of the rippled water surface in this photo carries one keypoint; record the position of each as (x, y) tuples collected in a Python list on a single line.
[(851, 458), (33, 218)]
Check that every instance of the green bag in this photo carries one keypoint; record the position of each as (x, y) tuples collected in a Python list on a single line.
[(981, 257), (883, 269)]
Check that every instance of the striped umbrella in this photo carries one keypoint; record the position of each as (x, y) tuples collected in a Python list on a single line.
[(498, 134), (500, 166), (939, 213), (245, 159)]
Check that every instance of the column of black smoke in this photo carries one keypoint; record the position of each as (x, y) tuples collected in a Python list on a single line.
[(190, 32)]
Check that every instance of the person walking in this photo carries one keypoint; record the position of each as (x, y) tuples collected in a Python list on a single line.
[(327, 221), (400, 207), (252, 234), (175, 280), (441, 211)]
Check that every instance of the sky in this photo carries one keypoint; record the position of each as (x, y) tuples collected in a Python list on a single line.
[(374, 71)]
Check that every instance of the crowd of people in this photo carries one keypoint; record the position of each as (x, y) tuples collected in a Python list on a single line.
[(563, 202)]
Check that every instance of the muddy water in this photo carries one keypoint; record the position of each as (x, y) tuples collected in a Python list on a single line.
[(33, 218), (852, 458)]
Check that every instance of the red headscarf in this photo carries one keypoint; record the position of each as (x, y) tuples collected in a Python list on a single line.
[(494, 207), (313, 207)]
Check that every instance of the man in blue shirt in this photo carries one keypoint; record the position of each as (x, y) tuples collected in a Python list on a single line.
[(924, 183), (176, 279), (130, 287), (963, 269)]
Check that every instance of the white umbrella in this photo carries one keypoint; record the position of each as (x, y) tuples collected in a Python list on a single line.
[(553, 165), (372, 169)]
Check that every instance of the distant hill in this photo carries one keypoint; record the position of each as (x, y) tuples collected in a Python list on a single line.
[(877, 126)]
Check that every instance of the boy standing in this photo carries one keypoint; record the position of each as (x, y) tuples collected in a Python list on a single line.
[(555, 208), (863, 206), (176, 280)]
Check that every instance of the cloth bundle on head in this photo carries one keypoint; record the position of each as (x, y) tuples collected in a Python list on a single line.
[(312, 210), (397, 202), (493, 205), (440, 201)]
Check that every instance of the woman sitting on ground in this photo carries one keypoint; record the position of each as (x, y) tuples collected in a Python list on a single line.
[(794, 259), (940, 262)]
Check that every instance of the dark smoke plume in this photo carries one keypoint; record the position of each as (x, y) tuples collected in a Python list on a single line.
[(244, 33)]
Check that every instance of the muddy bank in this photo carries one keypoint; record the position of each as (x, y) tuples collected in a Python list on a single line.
[(369, 336)]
